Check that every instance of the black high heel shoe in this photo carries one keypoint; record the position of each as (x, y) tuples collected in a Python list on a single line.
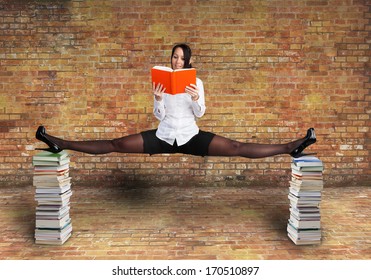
[(310, 139), (42, 136)]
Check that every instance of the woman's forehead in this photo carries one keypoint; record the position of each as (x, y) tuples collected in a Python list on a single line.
[(178, 51)]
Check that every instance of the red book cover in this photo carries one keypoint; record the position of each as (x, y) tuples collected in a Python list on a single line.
[(175, 81)]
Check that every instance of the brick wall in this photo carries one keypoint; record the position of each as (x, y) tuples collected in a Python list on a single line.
[(271, 69)]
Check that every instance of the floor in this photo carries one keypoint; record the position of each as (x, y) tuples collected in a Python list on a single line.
[(138, 221)]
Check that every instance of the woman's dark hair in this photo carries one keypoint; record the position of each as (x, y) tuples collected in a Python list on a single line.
[(187, 54)]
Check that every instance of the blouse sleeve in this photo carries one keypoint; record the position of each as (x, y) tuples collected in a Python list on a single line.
[(159, 109), (198, 106)]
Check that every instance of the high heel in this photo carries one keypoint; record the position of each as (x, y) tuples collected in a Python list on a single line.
[(309, 139), (42, 136)]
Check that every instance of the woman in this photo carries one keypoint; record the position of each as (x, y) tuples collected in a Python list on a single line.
[(178, 131)]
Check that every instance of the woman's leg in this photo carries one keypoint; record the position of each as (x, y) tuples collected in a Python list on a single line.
[(221, 146), (128, 144)]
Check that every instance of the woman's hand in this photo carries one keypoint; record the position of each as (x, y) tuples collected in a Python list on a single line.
[(192, 90), (158, 91)]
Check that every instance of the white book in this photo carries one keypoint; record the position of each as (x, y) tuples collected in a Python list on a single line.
[(308, 212), (307, 241), (56, 190), (53, 223), (49, 168), (305, 224), (51, 163), (306, 168), (303, 233), (53, 213), (54, 196), (53, 235), (303, 193), (51, 180), (52, 241), (52, 207), (306, 184)]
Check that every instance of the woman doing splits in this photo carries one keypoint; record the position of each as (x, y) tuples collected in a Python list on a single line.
[(177, 131)]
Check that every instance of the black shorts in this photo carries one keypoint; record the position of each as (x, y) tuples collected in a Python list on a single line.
[(198, 145)]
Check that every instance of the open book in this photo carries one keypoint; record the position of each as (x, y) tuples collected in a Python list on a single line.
[(175, 81)]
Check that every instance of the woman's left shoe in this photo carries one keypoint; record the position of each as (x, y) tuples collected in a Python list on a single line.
[(42, 136), (309, 139)]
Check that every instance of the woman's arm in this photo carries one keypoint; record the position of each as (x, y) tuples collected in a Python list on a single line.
[(159, 109), (158, 102), (198, 97)]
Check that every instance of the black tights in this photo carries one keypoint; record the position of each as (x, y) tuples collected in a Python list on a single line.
[(219, 146)]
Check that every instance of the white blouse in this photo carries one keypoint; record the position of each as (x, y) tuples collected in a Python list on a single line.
[(177, 115)]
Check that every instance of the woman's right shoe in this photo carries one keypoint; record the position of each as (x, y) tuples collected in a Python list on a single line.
[(309, 139), (42, 136)]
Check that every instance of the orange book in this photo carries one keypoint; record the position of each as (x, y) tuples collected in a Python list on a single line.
[(175, 81)]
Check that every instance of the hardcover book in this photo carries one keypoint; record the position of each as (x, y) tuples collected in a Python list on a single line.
[(175, 81)]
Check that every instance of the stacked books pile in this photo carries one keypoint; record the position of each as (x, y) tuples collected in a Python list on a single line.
[(306, 184), (53, 191)]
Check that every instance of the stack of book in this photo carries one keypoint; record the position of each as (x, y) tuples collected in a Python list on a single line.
[(53, 191), (306, 184)]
